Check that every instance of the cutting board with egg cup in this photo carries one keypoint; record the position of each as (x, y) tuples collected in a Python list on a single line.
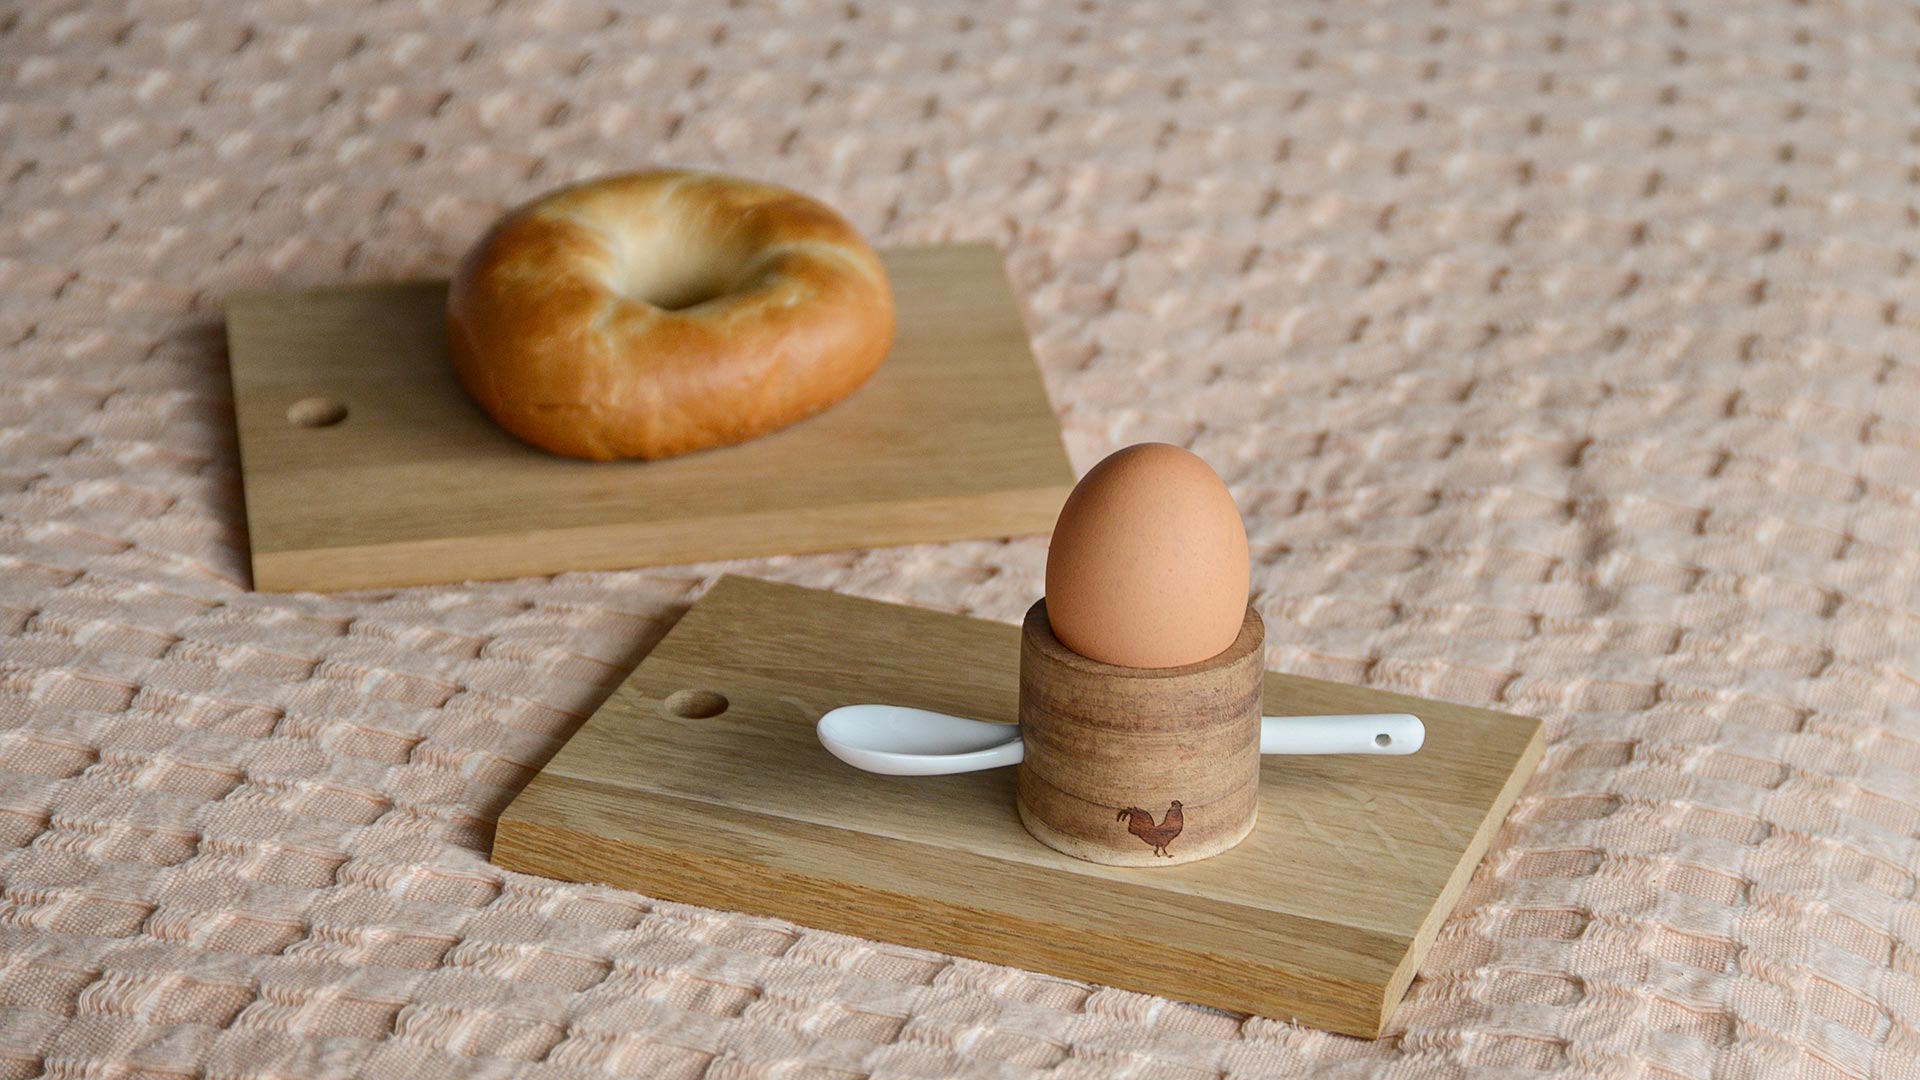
[(701, 781), (366, 465)]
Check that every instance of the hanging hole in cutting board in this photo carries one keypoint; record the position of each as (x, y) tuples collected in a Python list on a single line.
[(316, 412), (695, 704)]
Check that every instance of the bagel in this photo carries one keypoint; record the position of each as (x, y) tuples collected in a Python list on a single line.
[(657, 313)]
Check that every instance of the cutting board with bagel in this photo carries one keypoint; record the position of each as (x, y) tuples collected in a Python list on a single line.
[(762, 384)]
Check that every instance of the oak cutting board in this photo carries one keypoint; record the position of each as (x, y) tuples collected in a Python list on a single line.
[(700, 781), (366, 465)]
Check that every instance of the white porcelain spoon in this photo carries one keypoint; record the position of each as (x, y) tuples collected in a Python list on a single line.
[(899, 741)]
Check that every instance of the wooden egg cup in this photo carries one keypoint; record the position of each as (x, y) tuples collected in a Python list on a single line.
[(1139, 766)]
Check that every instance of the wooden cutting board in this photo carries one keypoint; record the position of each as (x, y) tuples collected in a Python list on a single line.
[(700, 781), (366, 465)]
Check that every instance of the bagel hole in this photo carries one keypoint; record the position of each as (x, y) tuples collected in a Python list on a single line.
[(678, 276), (681, 295)]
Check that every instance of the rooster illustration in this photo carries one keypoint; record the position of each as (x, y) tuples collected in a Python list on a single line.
[(1140, 823)]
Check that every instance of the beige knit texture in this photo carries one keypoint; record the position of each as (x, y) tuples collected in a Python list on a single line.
[(1564, 358)]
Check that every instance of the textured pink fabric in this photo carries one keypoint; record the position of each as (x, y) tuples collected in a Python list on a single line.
[(1563, 357)]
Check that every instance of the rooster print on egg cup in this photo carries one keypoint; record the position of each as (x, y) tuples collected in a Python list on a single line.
[(1140, 824)]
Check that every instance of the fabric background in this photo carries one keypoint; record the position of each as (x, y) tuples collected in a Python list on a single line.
[(1562, 357)]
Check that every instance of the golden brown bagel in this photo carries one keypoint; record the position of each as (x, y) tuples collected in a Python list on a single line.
[(657, 313)]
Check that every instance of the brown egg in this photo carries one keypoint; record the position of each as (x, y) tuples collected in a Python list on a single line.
[(1148, 566)]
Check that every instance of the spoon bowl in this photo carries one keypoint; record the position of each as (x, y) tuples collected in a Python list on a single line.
[(897, 741)]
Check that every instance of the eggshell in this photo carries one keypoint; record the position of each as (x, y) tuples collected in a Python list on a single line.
[(1148, 566)]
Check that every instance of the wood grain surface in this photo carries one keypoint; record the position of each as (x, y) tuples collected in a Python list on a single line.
[(700, 781), (366, 465), (1139, 766)]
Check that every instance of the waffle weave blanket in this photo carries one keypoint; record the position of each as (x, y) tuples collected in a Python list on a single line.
[(1564, 358)]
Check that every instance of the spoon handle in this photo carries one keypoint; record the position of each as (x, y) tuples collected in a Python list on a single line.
[(1364, 733)]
